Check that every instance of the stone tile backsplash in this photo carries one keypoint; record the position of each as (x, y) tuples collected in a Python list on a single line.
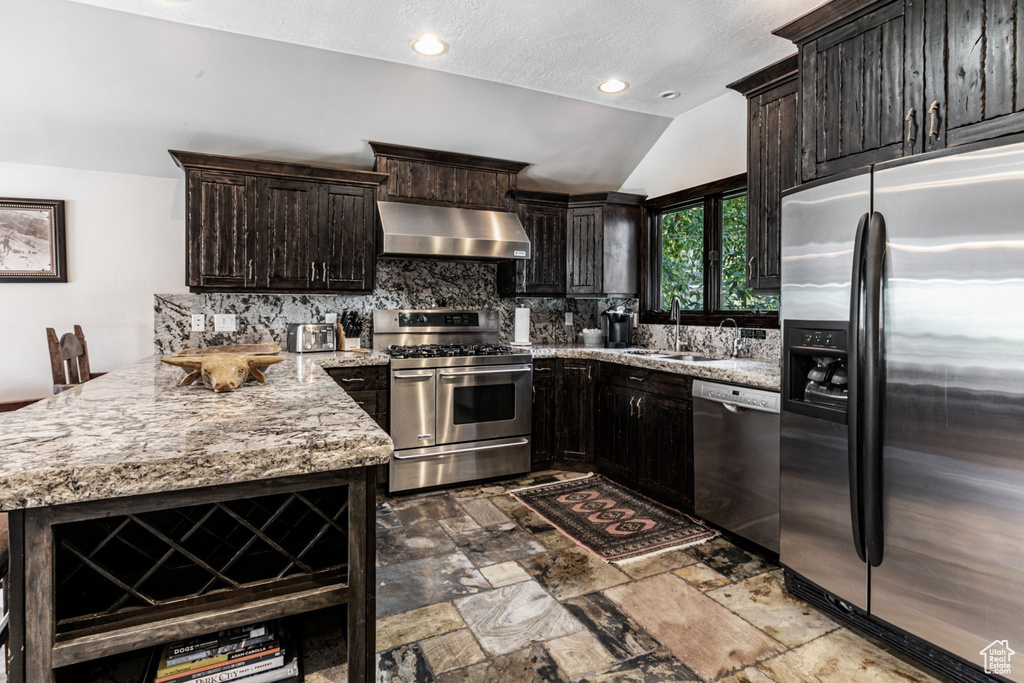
[(400, 284), (415, 284)]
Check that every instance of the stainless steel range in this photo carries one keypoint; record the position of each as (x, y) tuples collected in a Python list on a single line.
[(461, 404)]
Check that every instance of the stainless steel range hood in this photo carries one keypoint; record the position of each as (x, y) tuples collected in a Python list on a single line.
[(417, 230)]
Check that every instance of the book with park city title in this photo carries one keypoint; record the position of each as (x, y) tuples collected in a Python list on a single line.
[(258, 653)]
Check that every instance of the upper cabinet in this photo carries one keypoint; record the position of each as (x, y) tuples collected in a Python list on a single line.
[(583, 246), (427, 176), (772, 166), (602, 244), (265, 226), (973, 60), (854, 94), (543, 215), (881, 80)]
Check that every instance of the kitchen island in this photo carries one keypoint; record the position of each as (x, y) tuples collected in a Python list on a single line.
[(142, 512)]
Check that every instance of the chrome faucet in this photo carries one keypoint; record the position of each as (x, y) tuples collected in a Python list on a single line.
[(676, 315), (737, 341)]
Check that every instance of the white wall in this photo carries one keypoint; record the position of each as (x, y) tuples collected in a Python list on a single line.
[(704, 144), (125, 241)]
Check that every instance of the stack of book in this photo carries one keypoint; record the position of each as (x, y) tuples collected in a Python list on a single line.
[(258, 653)]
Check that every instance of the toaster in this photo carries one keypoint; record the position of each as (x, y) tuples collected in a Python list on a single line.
[(310, 337)]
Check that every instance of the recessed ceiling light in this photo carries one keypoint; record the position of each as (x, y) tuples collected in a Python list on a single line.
[(669, 94), (612, 86), (429, 46)]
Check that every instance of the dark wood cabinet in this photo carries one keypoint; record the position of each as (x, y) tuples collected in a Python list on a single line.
[(543, 216), (265, 226), (854, 96), (881, 80), (222, 219), (544, 441), (428, 176), (772, 155), (602, 244), (288, 230), (347, 230), (973, 63), (643, 429), (666, 467), (584, 250), (617, 433), (575, 414), (368, 387)]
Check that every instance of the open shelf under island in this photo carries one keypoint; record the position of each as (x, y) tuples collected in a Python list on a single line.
[(142, 512)]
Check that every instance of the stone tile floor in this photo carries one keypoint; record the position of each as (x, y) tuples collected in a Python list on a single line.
[(474, 586)]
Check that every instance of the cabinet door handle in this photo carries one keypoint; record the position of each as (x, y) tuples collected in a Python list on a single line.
[(571, 280), (352, 379), (250, 269), (534, 394), (636, 379), (910, 118), (631, 400), (933, 111), (312, 271), (589, 368), (750, 264), (536, 369), (325, 271), (639, 412)]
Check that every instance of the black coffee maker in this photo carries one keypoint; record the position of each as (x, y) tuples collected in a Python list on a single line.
[(617, 327)]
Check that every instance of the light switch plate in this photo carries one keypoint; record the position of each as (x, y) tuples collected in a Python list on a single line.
[(224, 322), (198, 322), (331, 318), (568, 319)]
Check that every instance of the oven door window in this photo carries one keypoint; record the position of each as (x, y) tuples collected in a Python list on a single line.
[(489, 403)]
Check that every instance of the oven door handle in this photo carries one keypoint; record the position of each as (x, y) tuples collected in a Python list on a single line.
[(404, 375), (455, 451), (505, 370)]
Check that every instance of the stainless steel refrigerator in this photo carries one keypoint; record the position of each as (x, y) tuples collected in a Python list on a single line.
[(902, 457)]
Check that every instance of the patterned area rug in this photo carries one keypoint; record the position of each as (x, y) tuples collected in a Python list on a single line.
[(610, 521)]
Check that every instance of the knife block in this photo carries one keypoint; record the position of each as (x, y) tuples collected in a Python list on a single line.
[(344, 343)]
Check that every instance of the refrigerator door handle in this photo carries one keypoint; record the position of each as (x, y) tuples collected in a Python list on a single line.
[(853, 362), (871, 390)]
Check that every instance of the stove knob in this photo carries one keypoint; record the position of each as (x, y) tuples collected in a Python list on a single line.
[(764, 403), (421, 319)]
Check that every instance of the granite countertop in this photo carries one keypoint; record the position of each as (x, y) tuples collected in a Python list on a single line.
[(134, 431), (751, 372)]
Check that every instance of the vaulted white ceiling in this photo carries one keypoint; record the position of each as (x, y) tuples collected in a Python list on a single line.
[(562, 47)]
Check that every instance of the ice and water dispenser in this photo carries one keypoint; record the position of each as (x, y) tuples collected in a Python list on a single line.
[(815, 367)]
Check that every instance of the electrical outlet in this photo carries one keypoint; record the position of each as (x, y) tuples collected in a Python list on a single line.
[(198, 322), (331, 318), (224, 322), (568, 319)]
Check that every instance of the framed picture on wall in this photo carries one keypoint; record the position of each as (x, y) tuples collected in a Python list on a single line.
[(32, 247)]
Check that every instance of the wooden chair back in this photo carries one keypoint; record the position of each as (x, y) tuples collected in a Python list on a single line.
[(69, 359)]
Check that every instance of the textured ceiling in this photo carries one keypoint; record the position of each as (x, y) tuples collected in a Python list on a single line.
[(563, 47)]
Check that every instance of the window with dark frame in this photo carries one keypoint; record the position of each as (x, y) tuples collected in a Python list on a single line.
[(697, 250)]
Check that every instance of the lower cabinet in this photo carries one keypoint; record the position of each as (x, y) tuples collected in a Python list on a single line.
[(666, 457), (368, 387), (630, 424), (642, 430), (575, 413), (544, 444)]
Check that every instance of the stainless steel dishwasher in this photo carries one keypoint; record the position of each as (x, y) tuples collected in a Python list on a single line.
[(736, 460)]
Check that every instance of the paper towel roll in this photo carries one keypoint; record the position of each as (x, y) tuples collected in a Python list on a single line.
[(522, 330)]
